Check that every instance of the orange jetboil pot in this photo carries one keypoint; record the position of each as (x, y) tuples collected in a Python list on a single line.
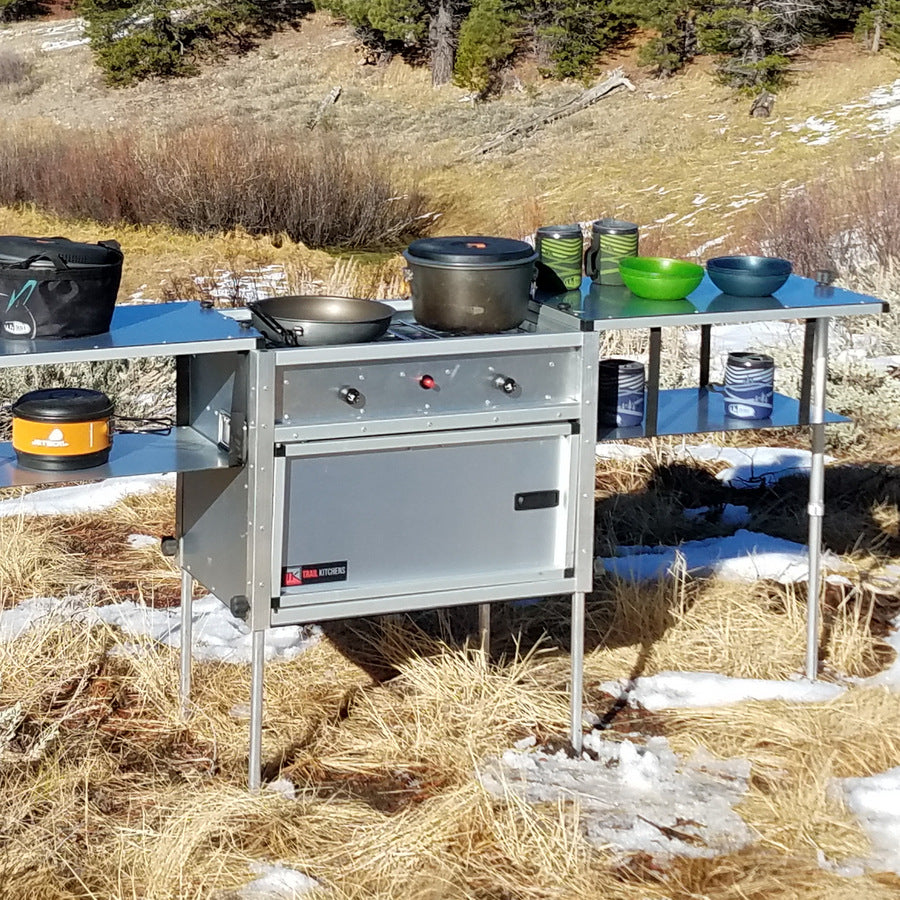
[(62, 429)]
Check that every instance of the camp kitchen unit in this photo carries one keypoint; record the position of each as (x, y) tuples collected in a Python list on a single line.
[(419, 470)]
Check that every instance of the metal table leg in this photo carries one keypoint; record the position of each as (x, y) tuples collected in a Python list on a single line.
[(705, 345), (577, 685), (809, 334), (484, 627), (651, 413), (257, 668), (816, 508), (187, 624)]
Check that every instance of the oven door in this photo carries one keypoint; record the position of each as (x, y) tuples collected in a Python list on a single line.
[(481, 513)]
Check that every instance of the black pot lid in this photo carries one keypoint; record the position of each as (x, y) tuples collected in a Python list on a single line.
[(15, 249), (476, 249), (63, 405)]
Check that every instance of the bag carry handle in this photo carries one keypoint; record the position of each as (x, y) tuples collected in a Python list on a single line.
[(60, 264)]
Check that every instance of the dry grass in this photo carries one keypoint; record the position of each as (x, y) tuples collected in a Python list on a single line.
[(109, 793)]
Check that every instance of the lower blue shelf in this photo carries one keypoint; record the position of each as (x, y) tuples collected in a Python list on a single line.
[(699, 411), (182, 450)]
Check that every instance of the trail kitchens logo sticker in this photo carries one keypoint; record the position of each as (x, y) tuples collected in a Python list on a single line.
[(314, 573), (17, 328), (55, 439)]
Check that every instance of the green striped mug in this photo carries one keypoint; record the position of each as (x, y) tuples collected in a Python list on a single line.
[(559, 250), (611, 240)]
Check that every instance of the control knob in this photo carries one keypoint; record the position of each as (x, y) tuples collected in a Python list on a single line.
[(509, 386), (352, 397)]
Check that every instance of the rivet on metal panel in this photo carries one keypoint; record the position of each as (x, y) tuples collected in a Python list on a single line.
[(403, 374), (551, 364), (362, 377), (496, 418), (429, 424)]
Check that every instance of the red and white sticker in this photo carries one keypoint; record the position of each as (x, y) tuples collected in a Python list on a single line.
[(314, 573)]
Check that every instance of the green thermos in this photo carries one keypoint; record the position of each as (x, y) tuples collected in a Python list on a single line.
[(559, 249), (611, 240)]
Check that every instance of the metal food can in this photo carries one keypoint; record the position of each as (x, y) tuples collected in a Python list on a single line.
[(749, 385), (611, 240), (559, 249), (621, 400)]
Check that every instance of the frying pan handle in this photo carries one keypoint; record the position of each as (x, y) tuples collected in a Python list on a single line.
[(289, 337)]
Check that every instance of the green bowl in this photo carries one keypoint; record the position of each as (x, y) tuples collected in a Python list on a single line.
[(658, 278)]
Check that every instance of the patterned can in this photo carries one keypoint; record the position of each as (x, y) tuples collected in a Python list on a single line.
[(749, 383), (621, 400), (611, 240), (559, 250)]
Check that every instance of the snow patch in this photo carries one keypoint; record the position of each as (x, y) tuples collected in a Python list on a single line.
[(744, 556), (681, 690), (82, 498), (635, 798), (216, 633)]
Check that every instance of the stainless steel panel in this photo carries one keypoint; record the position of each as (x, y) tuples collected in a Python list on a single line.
[(585, 466), (695, 411), (319, 608), (210, 390), (261, 489), (212, 517), (410, 350), (182, 450), (285, 434), (437, 510), (610, 307), (140, 330), (394, 389)]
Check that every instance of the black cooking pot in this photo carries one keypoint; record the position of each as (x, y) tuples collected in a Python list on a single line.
[(472, 285), (57, 288)]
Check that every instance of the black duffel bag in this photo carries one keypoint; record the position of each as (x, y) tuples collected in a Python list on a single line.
[(57, 288)]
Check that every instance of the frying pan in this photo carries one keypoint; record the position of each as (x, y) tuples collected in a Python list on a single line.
[(317, 321)]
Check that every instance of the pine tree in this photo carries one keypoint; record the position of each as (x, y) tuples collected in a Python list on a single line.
[(754, 38), (879, 26), (487, 39), (675, 42), (573, 33)]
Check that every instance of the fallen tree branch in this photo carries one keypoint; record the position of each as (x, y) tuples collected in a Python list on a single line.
[(615, 80)]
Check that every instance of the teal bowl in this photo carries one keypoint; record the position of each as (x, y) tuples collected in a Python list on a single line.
[(658, 278)]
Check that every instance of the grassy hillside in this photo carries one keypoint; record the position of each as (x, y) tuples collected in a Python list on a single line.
[(681, 157)]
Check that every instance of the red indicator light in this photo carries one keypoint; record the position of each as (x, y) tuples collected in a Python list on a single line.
[(427, 382)]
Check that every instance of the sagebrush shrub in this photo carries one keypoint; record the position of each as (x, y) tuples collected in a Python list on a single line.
[(314, 189)]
